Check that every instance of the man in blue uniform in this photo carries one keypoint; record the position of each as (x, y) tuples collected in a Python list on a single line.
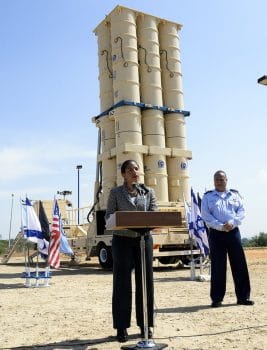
[(222, 210)]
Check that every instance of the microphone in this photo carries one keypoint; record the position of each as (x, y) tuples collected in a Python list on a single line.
[(145, 189), (141, 188), (137, 187)]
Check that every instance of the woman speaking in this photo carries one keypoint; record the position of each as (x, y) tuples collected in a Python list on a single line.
[(131, 196)]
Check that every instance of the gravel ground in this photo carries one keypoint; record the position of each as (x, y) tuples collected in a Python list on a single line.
[(74, 312)]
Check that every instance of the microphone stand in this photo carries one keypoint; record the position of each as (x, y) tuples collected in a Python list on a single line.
[(145, 343)]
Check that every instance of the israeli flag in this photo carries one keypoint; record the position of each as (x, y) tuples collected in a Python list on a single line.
[(187, 213), (196, 226), (32, 227)]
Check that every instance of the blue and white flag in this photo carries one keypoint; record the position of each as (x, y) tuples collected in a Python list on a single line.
[(64, 244), (32, 227), (196, 226), (187, 213)]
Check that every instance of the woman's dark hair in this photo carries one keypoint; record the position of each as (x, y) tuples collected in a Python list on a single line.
[(126, 163)]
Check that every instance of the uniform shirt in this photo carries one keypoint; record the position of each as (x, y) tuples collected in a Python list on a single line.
[(217, 208)]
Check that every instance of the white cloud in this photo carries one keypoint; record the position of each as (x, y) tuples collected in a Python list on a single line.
[(19, 162)]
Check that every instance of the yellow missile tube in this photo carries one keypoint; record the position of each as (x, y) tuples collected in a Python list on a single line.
[(106, 124), (177, 163), (155, 168), (124, 55), (128, 127)]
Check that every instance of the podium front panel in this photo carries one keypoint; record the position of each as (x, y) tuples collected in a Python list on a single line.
[(146, 219)]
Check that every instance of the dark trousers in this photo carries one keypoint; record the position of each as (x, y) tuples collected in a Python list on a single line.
[(221, 244), (126, 256)]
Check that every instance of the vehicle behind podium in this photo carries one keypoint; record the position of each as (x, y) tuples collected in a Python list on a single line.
[(169, 230), (142, 118)]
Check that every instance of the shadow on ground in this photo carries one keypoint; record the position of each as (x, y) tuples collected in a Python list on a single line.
[(76, 344)]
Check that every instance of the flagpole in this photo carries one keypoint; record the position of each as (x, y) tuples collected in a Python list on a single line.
[(192, 262), (47, 269), (10, 224), (26, 249), (201, 265), (37, 256), (27, 225), (37, 270), (188, 220)]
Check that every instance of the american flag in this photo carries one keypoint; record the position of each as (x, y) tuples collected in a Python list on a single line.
[(54, 258)]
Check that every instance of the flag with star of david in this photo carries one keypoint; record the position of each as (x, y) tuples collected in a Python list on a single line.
[(196, 226)]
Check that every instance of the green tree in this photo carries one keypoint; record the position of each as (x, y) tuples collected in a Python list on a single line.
[(245, 242), (3, 246), (256, 241), (262, 239)]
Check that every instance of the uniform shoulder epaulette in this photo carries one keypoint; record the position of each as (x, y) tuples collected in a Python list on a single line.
[(231, 189), (208, 191)]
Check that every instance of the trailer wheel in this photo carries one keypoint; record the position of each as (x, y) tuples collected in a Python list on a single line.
[(165, 260), (105, 256)]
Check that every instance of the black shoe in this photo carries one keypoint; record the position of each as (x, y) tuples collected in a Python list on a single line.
[(245, 302), (150, 333), (122, 335), (216, 304)]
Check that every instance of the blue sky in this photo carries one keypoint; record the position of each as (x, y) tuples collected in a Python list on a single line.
[(49, 91)]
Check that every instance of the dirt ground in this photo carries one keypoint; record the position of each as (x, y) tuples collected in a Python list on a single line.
[(74, 312)]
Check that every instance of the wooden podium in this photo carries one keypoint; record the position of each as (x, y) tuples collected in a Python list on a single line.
[(122, 220)]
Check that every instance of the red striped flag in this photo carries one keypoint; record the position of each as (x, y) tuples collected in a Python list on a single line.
[(54, 257)]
